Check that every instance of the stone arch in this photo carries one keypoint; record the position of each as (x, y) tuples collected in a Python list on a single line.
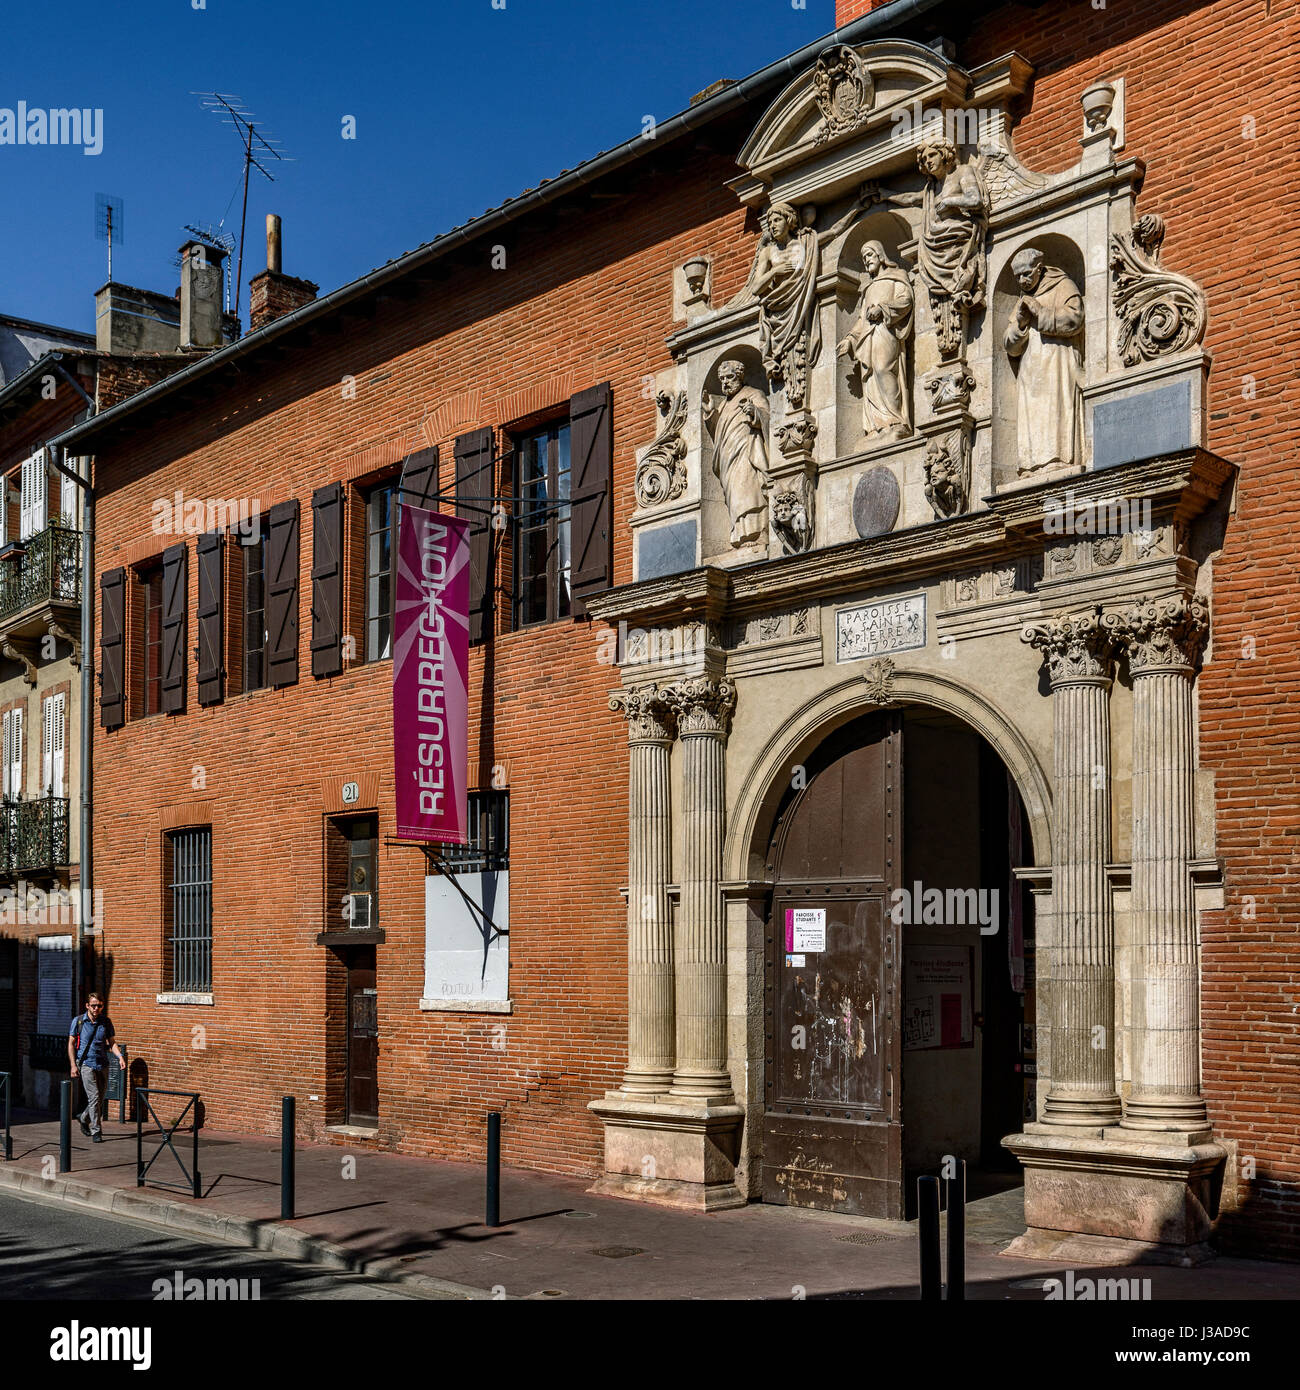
[(751, 822)]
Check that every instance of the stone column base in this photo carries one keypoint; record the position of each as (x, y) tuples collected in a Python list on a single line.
[(1112, 1197), (675, 1153)]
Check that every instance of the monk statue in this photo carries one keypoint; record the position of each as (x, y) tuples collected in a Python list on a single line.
[(738, 422), (1043, 335), (877, 343)]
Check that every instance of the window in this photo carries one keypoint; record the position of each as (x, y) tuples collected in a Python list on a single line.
[(542, 526), (488, 849), (150, 581), (351, 882), (13, 755), (34, 494), (255, 611), (187, 910), (381, 545), (54, 728)]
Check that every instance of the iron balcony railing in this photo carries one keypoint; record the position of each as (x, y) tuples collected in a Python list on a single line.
[(48, 571), (34, 835)]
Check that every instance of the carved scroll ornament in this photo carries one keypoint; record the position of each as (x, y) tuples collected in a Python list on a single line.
[(1159, 311), (661, 474)]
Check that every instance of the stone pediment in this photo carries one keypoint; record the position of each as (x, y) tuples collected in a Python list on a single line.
[(858, 113)]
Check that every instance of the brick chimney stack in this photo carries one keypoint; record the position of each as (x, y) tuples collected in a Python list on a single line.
[(272, 294)]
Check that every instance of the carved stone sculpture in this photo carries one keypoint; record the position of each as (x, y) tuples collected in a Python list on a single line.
[(792, 520), (947, 474), (661, 474), (784, 279), (1159, 311), (1076, 646), (877, 343), (1043, 336), (950, 257), (738, 422), (950, 389), (844, 91), (878, 678)]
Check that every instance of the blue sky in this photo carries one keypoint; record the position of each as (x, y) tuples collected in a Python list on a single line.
[(457, 105)]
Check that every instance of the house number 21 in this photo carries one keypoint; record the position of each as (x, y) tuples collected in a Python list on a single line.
[(351, 793)]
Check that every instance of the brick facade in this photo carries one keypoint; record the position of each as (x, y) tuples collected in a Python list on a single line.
[(585, 299)]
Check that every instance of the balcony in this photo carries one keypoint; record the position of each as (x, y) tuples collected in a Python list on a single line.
[(34, 836), (40, 586)]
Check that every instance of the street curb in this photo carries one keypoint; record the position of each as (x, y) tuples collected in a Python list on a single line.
[(270, 1237)]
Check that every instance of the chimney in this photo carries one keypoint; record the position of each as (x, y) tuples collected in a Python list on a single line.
[(201, 306), (272, 294)]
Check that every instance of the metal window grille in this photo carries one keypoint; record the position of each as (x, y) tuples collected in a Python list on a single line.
[(488, 850), (191, 910)]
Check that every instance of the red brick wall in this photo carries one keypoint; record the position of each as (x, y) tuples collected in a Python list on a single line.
[(1197, 77), (586, 297), (846, 10)]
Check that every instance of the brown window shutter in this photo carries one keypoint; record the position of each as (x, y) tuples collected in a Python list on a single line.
[(591, 449), (112, 649), (210, 552), (327, 580), (175, 592), (282, 595), (474, 493), (419, 485)]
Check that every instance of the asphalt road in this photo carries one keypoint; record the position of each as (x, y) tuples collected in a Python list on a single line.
[(52, 1251)]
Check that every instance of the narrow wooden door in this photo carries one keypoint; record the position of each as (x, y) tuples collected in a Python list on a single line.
[(363, 1039), (832, 1134)]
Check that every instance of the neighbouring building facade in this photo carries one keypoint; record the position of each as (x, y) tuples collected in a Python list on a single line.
[(49, 379), (882, 671)]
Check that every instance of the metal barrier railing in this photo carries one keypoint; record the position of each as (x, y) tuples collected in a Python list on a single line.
[(143, 1103)]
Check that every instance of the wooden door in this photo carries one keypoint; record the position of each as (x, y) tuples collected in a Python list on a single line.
[(363, 1039), (832, 1135)]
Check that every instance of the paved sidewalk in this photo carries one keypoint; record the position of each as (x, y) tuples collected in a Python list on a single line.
[(422, 1220)]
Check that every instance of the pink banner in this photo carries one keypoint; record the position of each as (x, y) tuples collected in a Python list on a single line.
[(431, 676)]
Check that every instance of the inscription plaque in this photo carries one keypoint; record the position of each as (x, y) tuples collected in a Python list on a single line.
[(893, 625)]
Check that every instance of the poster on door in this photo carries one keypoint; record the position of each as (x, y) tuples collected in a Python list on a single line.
[(938, 988)]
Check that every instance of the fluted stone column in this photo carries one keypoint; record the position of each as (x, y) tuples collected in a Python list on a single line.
[(1164, 639), (703, 709), (1082, 1011), (650, 1044)]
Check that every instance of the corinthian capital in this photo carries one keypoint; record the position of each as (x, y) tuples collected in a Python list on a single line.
[(703, 706), (1166, 634), (1077, 646), (648, 711)]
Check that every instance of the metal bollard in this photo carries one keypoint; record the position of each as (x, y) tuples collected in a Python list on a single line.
[(286, 1158), (494, 1169), (65, 1126), (957, 1234), (9, 1139), (927, 1202)]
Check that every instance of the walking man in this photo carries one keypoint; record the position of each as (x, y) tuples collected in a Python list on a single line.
[(89, 1043)]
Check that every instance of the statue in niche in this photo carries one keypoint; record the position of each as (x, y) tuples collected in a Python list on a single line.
[(738, 423), (877, 343), (1043, 334), (784, 279), (950, 258)]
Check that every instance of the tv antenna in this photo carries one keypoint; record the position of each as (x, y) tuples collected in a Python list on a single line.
[(217, 241), (109, 218), (258, 148)]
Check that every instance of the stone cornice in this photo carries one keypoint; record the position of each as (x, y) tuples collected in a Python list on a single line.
[(1180, 485)]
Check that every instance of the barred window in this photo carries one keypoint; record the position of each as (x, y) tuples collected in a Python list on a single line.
[(488, 849), (187, 910)]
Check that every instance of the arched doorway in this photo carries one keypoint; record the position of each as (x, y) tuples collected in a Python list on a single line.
[(898, 989)]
